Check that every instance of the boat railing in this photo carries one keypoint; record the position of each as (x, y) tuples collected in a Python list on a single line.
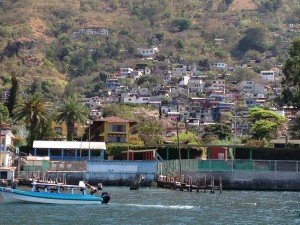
[(58, 187)]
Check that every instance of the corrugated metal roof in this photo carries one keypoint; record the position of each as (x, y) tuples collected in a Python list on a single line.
[(69, 145)]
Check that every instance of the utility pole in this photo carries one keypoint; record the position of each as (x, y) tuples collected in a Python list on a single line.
[(179, 152), (235, 134), (89, 123)]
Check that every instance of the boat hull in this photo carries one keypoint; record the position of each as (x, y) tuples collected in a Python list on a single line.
[(15, 195)]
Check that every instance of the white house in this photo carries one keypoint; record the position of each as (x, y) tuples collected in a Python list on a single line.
[(218, 85), (96, 114), (216, 66), (125, 72), (179, 70), (91, 31), (103, 32), (134, 98), (144, 92), (196, 84), (268, 75), (6, 156), (147, 52), (166, 76), (81, 31), (251, 88), (92, 103), (135, 74), (147, 71), (184, 80)]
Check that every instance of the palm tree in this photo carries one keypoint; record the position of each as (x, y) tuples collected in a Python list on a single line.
[(36, 113), (72, 112)]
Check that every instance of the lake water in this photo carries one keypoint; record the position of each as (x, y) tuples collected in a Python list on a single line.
[(164, 206)]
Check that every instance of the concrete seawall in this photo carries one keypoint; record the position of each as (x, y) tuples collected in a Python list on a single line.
[(94, 172), (236, 180), (231, 180), (112, 179), (261, 175)]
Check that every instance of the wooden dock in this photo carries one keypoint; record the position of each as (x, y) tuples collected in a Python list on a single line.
[(201, 184)]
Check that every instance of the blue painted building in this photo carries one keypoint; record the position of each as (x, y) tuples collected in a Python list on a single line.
[(69, 150)]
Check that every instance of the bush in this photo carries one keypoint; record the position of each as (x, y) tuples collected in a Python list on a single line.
[(181, 24), (4, 31)]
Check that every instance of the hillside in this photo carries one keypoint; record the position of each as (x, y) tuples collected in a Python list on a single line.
[(39, 43)]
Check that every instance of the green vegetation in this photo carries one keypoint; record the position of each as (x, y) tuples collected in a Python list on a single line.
[(291, 83), (180, 24), (36, 115), (13, 96), (189, 26), (220, 130), (186, 138), (41, 54), (265, 123), (71, 112), (255, 38)]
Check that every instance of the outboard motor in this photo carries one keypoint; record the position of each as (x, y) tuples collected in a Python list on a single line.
[(105, 197)]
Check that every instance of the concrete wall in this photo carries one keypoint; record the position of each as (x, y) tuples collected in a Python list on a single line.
[(111, 172), (120, 172), (236, 180)]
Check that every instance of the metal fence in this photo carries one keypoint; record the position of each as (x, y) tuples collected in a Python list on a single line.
[(172, 166)]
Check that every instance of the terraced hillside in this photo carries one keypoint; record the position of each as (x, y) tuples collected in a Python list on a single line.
[(39, 43)]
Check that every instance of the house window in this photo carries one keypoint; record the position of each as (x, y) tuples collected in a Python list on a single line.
[(117, 138), (58, 130), (117, 128), (3, 175)]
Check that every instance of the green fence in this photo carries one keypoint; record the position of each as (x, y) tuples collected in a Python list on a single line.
[(169, 167)]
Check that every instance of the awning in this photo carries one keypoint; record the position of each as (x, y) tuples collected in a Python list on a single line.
[(69, 145)]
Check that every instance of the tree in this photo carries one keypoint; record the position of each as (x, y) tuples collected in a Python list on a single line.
[(263, 129), (147, 81), (71, 112), (4, 113), (36, 114), (271, 5), (243, 74), (291, 70), (179, 44), (186, 138), (295, 128), (255, 38), (224, 5), (265, 123), (180, 24), (219, 129), (13, 95)]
